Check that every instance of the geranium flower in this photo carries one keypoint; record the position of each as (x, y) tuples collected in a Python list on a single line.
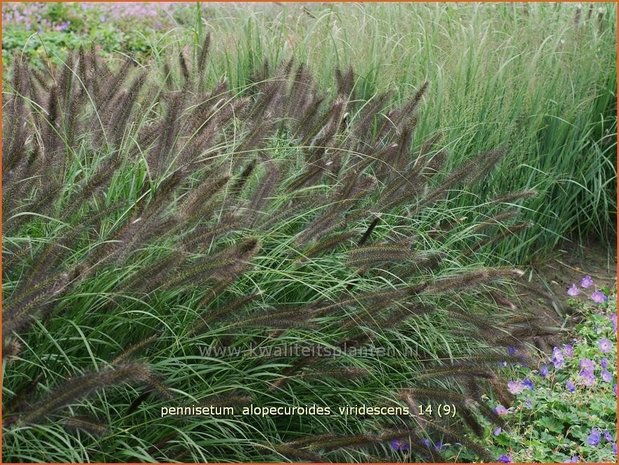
[(400, 445), (498, 430), (599, 297), (594, 437), (573, 291), (500, 410), (586, 282), (613, 321), (604, 363), (511, 351), (608, 436), (505, 458), (570, 386), (605, 345), (527, 383), (607, 376), (568, 350), (515, 387), (543, 371), (557, 358), (587, 365)]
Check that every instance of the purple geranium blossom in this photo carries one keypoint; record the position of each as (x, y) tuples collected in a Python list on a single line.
[(604, 363), (500, 410), (568, 350), (594, 437), (426, 442), (511, 351), (613, 321), (438, 445), (515, 387), (599, 297), (586, 282), (587, 378), (605, 345), (543, 371), (557, 358), (614, 448), (608, 436), (505, 458), (587, 365), (607, 376), (573, 291), (398, 444), (570, 386), (527, 383), (498, 430)]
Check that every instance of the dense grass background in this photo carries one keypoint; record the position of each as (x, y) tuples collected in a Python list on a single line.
[(538, 78)]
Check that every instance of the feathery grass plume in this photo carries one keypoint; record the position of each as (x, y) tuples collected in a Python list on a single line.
[(76, 388), (265, 190), (162, 194), (472, 278), (296, 453), (379, 253), (227, 264), (326, 244), (85, 423)]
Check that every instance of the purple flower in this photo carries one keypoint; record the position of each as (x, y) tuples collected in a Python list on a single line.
[(573, 291), (527, 383), (568, 350), (557, 358), (426, 442), (511, 351), (608, 436), (398, 444), (586, 282), (543, 371), (505, 458), (587, 378), (604, 363), (613, 321), (498, 430), (570, 386), (515, 387), (605, 345), (599, 297), (528, 404), (587, 365), (614, 448), (607, 376), (594, 437), (438, 445), (500, 410)]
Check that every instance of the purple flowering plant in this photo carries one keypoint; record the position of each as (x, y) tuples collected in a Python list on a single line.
[(565, 405)]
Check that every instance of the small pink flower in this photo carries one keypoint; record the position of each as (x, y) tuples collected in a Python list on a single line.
[(586, 282), (515, 387), (573, 290), (599, 297)]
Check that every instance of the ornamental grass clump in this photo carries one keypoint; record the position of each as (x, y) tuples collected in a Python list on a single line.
[(150, 220)]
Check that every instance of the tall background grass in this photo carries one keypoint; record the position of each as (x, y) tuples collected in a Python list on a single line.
[(538, 78)]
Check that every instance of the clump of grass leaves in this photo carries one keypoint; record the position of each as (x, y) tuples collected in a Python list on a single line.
[(149, 220)]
